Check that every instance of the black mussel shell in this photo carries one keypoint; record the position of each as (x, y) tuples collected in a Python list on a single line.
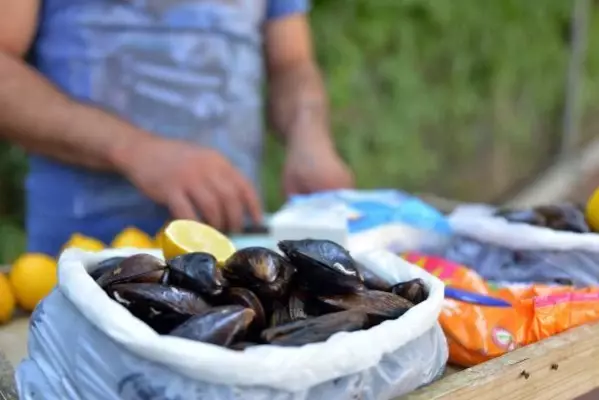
[(137, 268), (246, 298), (104, 266), (530, 217), (297, 307), (218, 325), (372, 280), (323, 266), (414, 290), (564, 217), (261, 270), (161, 307), (372, 302), (316, 329), (561, 217), (240, 346), (280, 314), (198, 272)]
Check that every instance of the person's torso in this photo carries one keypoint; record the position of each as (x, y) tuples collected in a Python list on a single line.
[(182, 69)]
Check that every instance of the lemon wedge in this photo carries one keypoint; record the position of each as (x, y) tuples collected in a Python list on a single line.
[(187, 236)]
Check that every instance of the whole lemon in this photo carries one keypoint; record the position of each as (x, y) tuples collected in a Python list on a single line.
[(132, 237), (592, 211), (32, 277), (7, 300), (83, 242)]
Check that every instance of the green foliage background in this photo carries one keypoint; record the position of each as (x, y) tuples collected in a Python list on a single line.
[(462, 98)]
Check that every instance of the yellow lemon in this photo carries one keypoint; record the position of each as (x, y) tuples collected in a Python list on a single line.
[(592, 211), (132, 237), (32, 277), (7, 300), (159, 235), (84, 243), (158, 240), (187, 236)]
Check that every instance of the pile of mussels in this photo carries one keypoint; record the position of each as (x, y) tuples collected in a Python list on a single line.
[(257, 296), (560, 217)]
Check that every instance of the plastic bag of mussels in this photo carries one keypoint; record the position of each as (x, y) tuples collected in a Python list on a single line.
[(317, 324)]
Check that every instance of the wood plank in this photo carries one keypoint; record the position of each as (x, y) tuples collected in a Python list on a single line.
[(8, 390), (562, 367)]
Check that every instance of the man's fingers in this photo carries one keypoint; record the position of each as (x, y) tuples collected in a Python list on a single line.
[(249, 199), (207, 203), (231, 203), (181, 207)]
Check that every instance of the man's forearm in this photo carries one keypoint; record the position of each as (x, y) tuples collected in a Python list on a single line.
[(298, 104), (37, 116)]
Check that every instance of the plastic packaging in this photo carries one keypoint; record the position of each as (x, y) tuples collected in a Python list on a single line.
[(515, 252), (375, 219), (479, 332), (82, 345)]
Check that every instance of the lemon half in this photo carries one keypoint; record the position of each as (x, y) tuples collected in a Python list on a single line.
[(187, 236)]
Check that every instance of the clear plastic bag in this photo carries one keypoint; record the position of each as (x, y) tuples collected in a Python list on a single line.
[(82, 345), (502, 251)]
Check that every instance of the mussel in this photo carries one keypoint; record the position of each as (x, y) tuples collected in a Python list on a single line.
[(298, 307), (217, 325), (242, 345), (372, 302), (261, 270), (161, 307), (106, 265), (414, 290), (279, 314), (323, 266), (372, 279), (560, 217), (137, 268), (198, 272), (316, 329), (246, 298), (530, 217), (564, 217)]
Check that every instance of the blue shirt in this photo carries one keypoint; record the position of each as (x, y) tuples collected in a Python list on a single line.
[(183, 69)]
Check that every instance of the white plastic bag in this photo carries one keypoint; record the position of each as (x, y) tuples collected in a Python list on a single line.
[(83, 345), (504, 251)]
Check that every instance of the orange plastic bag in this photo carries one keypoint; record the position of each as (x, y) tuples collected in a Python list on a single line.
[(478, 333)]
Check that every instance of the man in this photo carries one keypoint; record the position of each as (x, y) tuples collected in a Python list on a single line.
[(143, 110)]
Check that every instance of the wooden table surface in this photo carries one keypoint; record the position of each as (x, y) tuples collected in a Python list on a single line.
[(7, 383), (562, 367)]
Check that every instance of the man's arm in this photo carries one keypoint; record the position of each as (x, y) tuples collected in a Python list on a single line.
[(298, 105), (37, 116)]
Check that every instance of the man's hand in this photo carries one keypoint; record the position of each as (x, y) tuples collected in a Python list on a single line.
[(299, 110), (312, 166), (189, 179)]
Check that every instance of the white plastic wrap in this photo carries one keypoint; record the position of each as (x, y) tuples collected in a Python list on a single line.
[(83, 345)]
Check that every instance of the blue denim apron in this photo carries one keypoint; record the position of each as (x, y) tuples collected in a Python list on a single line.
[(186, 69)]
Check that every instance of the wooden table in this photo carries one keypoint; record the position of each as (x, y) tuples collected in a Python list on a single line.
[(7, 382), (563, 367)]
